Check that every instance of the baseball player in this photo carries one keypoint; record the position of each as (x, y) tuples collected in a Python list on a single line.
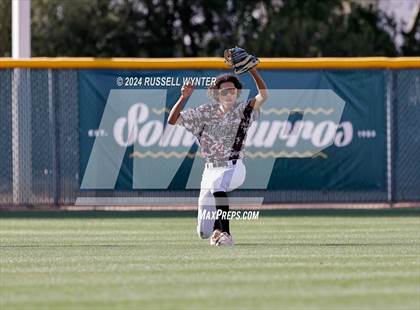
[(220, 128)]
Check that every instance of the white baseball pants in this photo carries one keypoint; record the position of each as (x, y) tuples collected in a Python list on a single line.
[(221, 179)]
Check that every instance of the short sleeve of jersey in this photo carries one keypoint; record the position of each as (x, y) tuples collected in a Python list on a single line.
[(193, 119)]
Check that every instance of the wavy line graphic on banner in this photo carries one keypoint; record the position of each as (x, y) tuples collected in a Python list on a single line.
[(271, 111), (286, 154), (168, 155), (160, 111), (297, 110)]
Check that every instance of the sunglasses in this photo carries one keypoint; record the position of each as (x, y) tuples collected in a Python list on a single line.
[(224, 91)]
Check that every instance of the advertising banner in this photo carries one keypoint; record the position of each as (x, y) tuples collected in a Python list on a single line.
[(318, 130)]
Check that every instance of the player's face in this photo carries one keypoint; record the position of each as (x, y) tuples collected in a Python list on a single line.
[(227, 94)]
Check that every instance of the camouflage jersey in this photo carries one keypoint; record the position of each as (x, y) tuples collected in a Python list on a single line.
[(221, 135)]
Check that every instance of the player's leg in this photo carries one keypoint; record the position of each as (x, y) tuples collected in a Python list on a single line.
[(206, 210), (213, 196), (230, 179), (222, 207), (238, 176)]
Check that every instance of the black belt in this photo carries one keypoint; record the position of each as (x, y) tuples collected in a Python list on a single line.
[(221, 164)]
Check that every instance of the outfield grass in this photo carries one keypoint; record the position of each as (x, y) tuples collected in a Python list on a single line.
[(284, 260)]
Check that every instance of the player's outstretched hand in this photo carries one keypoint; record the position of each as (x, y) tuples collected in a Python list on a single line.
[(240, 60), (186, 90)]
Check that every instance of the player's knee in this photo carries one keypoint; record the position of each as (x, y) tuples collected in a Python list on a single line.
[(203, 233)]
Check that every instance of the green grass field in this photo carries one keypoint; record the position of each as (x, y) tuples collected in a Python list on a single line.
[(284, 260)]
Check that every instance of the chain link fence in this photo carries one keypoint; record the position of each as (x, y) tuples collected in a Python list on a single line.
[(6, 172), (406, 135), (39, 134)]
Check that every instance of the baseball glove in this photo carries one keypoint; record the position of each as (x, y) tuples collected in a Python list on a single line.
[(240, 60)]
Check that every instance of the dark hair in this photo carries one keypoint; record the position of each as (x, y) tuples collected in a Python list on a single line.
[(213, 90)]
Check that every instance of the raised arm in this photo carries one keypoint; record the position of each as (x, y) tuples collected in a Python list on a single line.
[(262, 89), (186, 91)]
